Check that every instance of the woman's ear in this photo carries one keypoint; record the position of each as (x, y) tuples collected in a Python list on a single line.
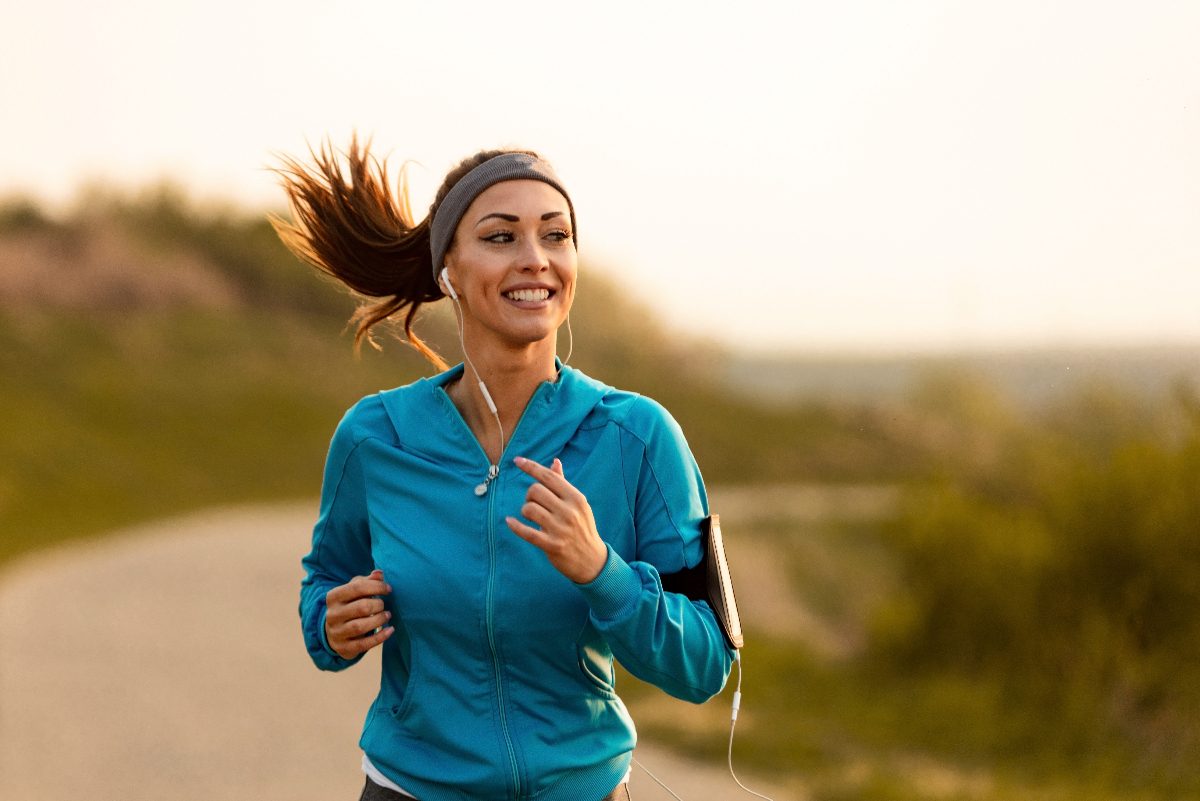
[(444, 278)]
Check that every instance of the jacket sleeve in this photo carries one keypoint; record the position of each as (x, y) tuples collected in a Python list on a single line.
[(662, 637), (341, 545)]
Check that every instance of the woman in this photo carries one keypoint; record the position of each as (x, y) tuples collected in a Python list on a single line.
[(500, 528)]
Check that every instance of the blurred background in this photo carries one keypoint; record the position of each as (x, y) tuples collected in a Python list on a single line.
[(920, 281)]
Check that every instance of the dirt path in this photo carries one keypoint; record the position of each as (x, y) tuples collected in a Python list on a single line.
[(166, 663)]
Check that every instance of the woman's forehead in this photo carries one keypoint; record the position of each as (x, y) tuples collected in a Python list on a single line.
[(513, 197)]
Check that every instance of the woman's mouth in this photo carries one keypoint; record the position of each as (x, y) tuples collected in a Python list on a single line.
[(528, 295)]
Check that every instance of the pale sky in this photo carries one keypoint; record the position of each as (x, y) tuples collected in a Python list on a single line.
[(862, 175)]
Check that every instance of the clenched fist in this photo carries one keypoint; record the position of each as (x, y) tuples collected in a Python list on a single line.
[(355, 620)]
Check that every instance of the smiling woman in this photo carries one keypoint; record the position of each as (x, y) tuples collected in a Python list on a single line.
[(500, 572)]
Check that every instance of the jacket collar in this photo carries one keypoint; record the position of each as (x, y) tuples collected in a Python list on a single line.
[(427, 422)]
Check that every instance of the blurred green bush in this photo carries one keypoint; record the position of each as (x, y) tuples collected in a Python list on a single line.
[(1057, 558)]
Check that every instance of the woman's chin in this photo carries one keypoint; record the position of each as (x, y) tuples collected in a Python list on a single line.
[(535, 329)]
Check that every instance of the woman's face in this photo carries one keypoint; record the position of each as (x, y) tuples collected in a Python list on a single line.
[(513, 262)]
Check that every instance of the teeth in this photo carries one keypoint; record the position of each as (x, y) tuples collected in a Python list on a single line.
[(528, 294)]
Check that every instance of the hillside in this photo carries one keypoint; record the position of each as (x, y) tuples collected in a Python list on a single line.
[(158, 357)]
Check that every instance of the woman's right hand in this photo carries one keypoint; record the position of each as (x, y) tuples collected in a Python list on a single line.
[(355, 620)]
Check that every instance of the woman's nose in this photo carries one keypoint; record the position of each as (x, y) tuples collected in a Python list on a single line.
[(532, 256)]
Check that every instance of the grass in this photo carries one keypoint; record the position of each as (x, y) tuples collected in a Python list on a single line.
[(110, 425), (853, 728)]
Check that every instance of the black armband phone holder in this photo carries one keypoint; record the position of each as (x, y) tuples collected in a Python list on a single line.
[(709, 581)]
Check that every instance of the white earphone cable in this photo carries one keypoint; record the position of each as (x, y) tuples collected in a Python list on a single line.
[(737, 702), (660, 782), (570, 340), (458, 316)]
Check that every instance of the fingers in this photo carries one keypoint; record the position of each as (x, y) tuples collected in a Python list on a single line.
[(366, 607), (538, 515), (359, 587), (350, 633), (351, 628), (551, 498), (548, 511), (550, 491), (349, 649), (564, 527), (552, 478), (539, 495), (529, 533), (355, 617), (578, 558)]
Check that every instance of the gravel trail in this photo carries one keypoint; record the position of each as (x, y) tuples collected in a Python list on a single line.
[(165, 662)]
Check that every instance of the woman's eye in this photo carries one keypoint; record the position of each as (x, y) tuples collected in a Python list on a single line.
[(500, 237), (559, 236)]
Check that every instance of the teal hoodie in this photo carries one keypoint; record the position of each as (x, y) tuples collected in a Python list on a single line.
[(498, 680)]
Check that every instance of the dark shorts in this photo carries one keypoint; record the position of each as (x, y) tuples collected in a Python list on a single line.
[(374, 792)]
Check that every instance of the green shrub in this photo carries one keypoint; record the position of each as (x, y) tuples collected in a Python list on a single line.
[(1066, 572)]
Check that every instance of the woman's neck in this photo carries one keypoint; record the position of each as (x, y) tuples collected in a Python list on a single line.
[(511, 377)]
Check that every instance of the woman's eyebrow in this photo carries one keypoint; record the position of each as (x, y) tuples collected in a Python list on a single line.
[(514, 218), (506, 217)]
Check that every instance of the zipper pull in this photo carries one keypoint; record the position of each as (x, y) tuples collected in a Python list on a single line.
[(481, 489)]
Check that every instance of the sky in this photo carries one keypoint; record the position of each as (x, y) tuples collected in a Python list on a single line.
[(865, 176)]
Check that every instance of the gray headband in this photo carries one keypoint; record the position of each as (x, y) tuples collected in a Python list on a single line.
[(505, 167)]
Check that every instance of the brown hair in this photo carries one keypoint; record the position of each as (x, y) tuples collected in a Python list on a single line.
[(363, 235)]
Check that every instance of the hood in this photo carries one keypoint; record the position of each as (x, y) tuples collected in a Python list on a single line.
[(429, 424)]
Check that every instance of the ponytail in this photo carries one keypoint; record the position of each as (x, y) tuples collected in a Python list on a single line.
[(358, 232), (362, 235)]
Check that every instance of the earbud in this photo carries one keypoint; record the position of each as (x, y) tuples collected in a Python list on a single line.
[(445, 278)]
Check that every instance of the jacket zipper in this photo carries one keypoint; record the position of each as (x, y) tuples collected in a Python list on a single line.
[(491, 586), (492, 475)]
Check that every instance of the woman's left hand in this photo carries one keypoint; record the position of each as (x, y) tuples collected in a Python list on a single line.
[(567, 530)]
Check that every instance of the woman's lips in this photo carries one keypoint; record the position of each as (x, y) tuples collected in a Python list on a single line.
[(533, 295)]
